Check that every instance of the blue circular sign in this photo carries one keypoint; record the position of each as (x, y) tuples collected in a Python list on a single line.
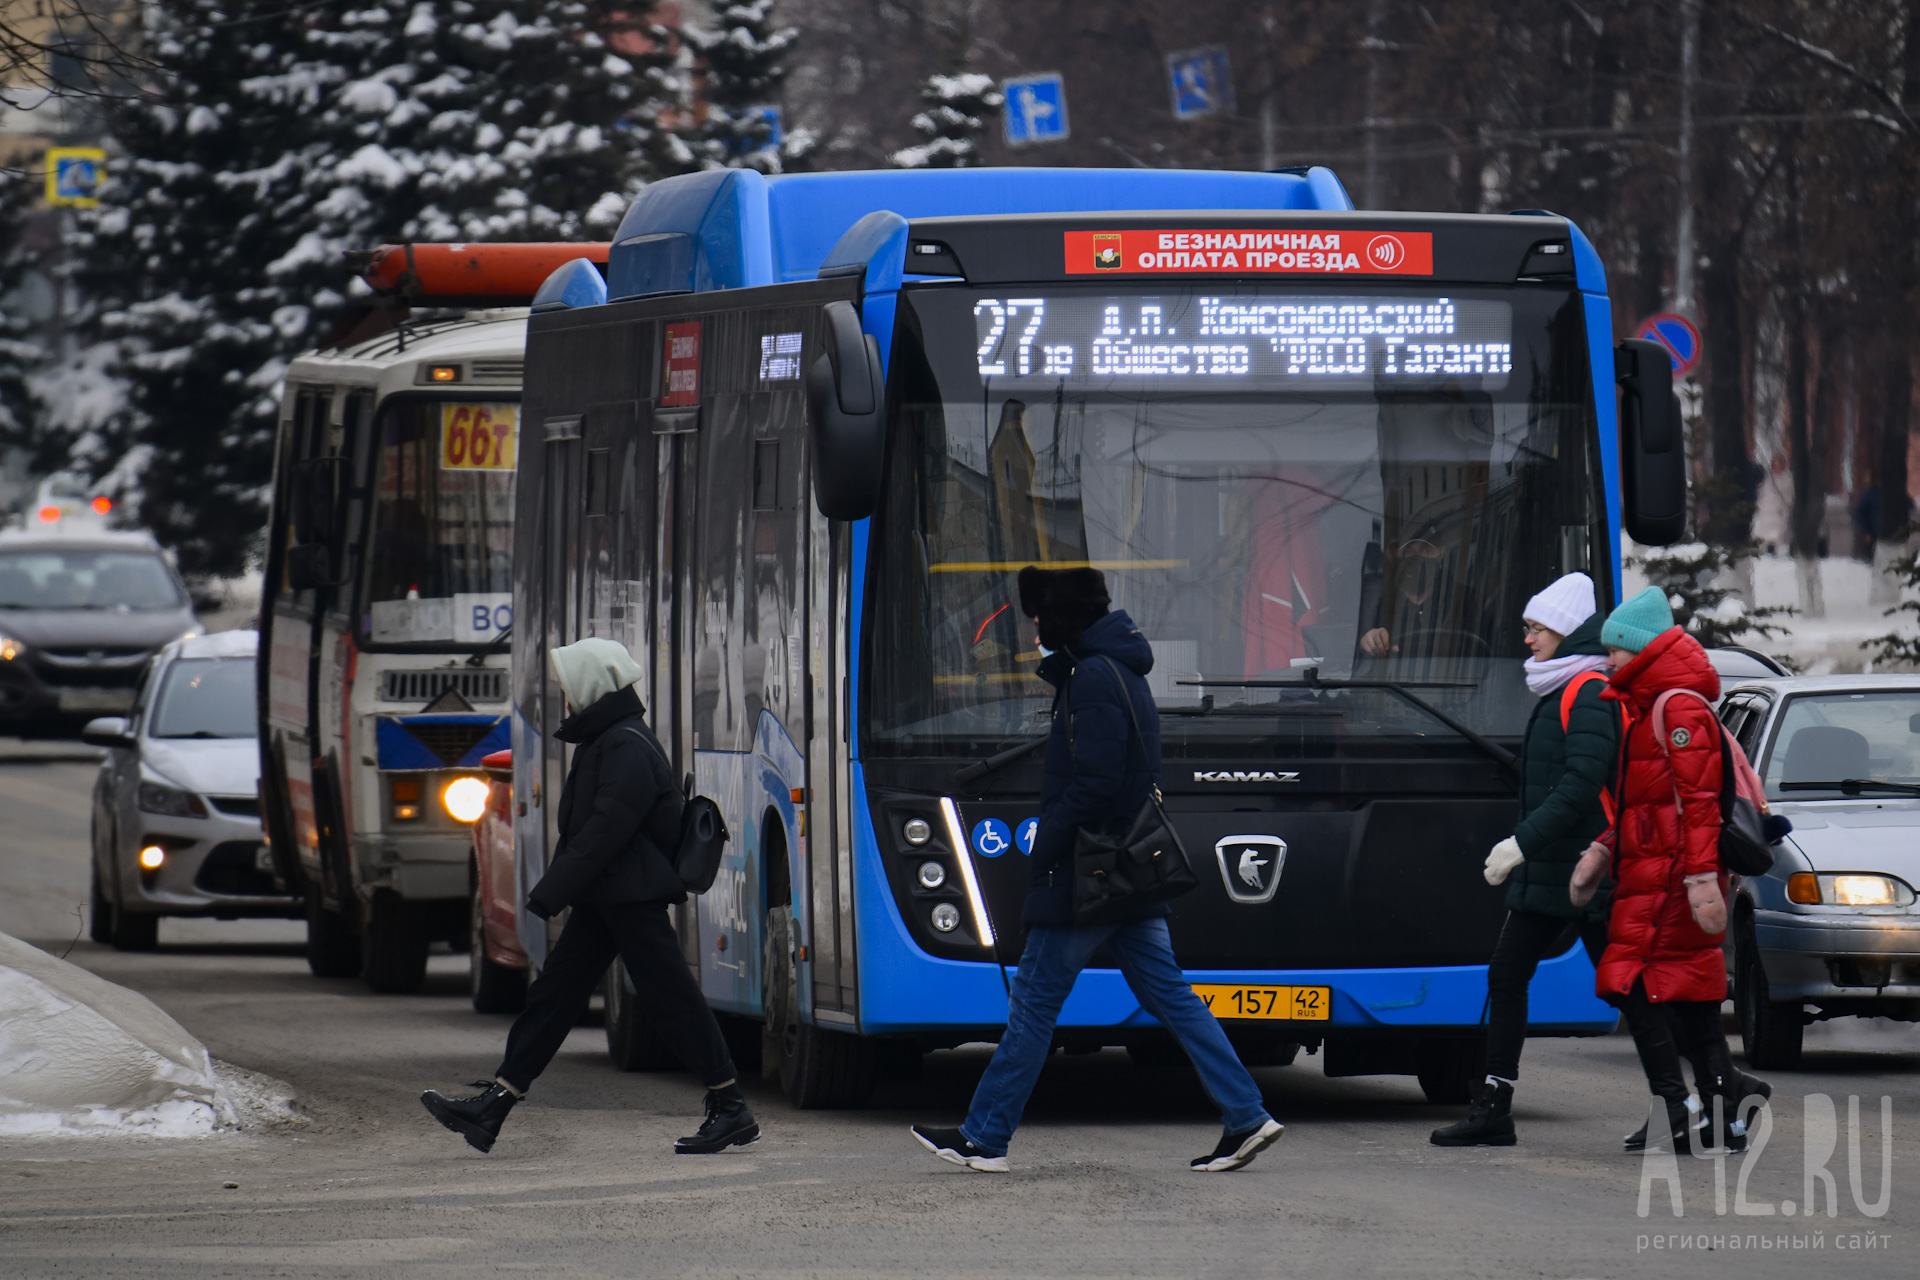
[(991, 837), (1024, 833), (1677, 334)]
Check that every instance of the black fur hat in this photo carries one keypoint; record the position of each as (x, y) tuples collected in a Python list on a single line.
[(1067, 602)]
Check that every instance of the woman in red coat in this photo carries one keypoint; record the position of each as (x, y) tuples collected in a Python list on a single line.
[(1669, 915)]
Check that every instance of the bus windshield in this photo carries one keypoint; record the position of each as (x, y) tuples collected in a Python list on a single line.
[(1369, 482), (439, 569)]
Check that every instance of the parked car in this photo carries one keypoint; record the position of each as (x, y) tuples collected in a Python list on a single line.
[(1737, 662), (497, 962), (81, 616), (176, 809), (1832, 930)]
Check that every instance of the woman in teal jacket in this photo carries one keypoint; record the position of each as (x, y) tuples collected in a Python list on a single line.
[(1565, 765)]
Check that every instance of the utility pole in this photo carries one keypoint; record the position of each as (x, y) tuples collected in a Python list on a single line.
[(1683, 297)]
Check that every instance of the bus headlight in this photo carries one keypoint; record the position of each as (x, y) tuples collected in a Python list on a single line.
[(932, 875), (946, 917), (10, 648), (465, 799), (917, 832)]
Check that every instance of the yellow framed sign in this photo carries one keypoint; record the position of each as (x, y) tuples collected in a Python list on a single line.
[(74, 175), (479, 437)]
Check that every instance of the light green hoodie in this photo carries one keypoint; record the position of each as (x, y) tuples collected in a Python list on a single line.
[(588, 670)]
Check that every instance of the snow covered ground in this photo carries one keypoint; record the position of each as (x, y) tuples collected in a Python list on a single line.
[(81, 1056)]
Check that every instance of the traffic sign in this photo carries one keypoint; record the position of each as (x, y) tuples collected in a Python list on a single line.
[(1201, 82), (1036, 109), (1677, 334), (74, 175)]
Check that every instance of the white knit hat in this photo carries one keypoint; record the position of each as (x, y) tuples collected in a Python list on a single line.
[(1564, 605)]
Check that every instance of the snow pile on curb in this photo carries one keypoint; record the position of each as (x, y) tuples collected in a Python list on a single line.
[(81, 1055)]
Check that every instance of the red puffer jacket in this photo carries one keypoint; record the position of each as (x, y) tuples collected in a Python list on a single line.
[(1658, 840)]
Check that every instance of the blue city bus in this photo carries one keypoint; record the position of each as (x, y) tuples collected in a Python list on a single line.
[(795, 446)]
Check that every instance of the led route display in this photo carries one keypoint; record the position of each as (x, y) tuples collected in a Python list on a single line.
[(1278, 338)]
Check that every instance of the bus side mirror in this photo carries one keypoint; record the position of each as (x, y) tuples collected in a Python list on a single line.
[(1653, 463), (846, 397)]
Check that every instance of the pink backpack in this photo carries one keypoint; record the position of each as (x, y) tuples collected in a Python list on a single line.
[(1744, 848)]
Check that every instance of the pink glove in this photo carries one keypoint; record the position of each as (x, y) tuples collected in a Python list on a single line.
[(1709, 906), (1586, 876)]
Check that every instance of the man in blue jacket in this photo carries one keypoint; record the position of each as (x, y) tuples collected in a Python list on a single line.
[(1099, 771)]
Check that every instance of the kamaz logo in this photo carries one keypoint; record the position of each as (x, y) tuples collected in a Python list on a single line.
[(1241, 775)]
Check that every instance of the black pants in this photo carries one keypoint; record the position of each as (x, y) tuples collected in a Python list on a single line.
[(1665, 1032), (1526, 939), (642, 935)]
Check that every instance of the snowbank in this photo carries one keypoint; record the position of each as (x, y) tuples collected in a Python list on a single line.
[(79, 1055)]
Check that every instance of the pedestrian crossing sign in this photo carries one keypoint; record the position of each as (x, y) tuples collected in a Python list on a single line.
[(74, 175)]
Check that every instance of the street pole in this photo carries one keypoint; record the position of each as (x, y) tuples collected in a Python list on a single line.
[(1683, 233)]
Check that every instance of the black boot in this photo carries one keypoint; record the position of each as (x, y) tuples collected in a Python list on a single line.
[(477, 1119), (1489, 1121), (728, 1124)]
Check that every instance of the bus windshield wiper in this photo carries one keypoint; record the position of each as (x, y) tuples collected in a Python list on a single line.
[(1310, 679), (1854, 786), (479, 659), (993, 763)]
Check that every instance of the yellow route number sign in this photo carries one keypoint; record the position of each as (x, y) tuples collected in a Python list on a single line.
[(478, 437)]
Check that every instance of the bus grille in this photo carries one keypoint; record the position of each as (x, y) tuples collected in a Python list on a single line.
[(496, 371), (425, 686)]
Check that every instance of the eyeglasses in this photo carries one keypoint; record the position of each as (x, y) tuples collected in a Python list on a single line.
[(1533, 629)]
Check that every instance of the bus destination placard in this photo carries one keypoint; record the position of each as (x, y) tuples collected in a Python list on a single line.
[(1251, 252), (478, 437)]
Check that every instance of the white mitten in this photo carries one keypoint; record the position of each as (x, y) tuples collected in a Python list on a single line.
[(1505, 857)]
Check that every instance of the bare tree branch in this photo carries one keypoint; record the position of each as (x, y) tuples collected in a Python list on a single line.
[(1834, 62)]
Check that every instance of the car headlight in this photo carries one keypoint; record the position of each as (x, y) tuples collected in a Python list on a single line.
[(465, 799), (1848, 889), (10, 648), (155, 797)]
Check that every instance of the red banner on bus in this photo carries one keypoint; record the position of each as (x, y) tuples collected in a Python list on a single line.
[(681, 365), (1269, 252)]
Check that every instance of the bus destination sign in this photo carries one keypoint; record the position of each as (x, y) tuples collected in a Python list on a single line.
[(1251, 252)]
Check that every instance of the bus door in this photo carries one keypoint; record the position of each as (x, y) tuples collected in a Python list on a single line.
[(560, 538), (676, 438), (344, 450), (828, 862)]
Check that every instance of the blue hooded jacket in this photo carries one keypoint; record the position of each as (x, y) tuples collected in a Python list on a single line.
[(1098, 771)]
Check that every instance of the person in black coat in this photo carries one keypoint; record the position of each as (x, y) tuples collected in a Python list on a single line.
[(1102, 761), (619, 818)]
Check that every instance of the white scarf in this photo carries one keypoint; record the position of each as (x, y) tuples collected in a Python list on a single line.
[(1545, 677)]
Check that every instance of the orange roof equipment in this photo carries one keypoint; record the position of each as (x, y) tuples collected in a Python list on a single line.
[(471, 275)]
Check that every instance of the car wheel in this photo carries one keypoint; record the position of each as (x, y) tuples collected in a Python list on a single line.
[(496, 988), (134, 931), (820, 1070), (394, 945), (1771, 1032), (100, 912)]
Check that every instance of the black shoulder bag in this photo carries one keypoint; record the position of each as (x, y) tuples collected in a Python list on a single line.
[(1113, 879)]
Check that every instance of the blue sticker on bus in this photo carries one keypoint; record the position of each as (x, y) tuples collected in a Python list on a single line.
[(991, 837), (1023, 834)]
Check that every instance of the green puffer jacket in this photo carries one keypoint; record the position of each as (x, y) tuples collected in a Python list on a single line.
[(1562, 776)]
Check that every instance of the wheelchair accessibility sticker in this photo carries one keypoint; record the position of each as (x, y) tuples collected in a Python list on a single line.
[(1023, 836), (991, 837)]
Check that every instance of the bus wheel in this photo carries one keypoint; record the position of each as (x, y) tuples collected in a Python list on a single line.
[(333, 944), (496, 988), (1447, 1067), (820, 1070), (631, 1042), (395, 945)]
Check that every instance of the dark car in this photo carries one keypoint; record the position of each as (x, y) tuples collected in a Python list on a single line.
[(81, 615)]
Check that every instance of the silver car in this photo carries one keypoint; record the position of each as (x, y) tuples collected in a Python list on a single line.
[(176, 809), (1833, 930)]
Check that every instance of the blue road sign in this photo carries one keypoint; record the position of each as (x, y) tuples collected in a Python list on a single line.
[(1677, 334), (991, 837), (1201, 81), (1036, 109), (74, 175), (1023, 834)]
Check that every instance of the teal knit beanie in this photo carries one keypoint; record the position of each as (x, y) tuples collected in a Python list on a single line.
[(1634, 624)]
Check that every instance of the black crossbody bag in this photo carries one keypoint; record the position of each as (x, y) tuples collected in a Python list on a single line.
[(1114, 878)]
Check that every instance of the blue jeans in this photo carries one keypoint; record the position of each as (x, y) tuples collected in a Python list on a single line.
[(1053, 959)]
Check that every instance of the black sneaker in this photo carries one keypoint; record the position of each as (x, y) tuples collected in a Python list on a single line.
[(477, 1119), (1488, 1122), (950, 1146), (728, 1124), (1237, 1150)]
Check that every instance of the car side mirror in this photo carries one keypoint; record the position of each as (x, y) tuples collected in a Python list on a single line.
[(1653, 461), (846, 400), (1913, 723), (107, 731)]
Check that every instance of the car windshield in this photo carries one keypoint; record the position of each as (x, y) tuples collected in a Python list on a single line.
[(1370, 484), (1842, 737), (77, 578), (440, 569), (205, 698)]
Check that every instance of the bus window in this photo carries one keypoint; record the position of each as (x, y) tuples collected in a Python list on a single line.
[(440, 556)]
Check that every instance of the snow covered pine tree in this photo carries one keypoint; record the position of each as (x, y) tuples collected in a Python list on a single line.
[(742, 64), (958, 108), (20, 355)]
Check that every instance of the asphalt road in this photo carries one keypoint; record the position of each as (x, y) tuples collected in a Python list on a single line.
[(583, 1181)]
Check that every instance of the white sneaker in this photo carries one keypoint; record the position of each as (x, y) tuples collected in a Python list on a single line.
[(1237, 1150), (952, 1147)]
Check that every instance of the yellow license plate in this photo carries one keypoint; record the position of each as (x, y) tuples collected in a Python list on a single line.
[(1291, 1004)]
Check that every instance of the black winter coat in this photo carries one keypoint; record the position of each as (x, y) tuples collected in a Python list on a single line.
[(1562, 776), (619, 810), (1098, 770)]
